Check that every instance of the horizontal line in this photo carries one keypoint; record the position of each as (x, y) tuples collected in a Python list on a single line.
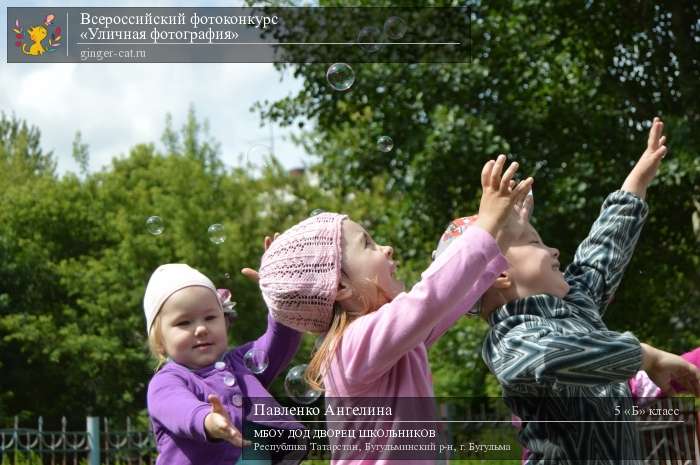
[(474, 421), (263, 43)]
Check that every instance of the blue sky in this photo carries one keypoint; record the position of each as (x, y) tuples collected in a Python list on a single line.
[(116, 106)]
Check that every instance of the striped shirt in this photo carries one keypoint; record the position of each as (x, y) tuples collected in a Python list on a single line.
[(561, 370)]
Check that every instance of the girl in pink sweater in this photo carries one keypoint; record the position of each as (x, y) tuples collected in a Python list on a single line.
[(327, 275)]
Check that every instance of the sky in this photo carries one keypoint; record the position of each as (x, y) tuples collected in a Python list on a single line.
[(118, 105)]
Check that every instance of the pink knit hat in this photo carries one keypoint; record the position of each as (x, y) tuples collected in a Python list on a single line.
[(167, 280), (300, 273)]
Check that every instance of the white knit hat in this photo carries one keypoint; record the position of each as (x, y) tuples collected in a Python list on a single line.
[(167, 280)]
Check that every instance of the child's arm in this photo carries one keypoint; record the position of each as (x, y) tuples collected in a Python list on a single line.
[(645, 170), (519, 218), (643, 388), (217, 424), (666, 369), (537, 352), (374, 343), (172, 404), (518, 221), (279, 342), (601, 258)]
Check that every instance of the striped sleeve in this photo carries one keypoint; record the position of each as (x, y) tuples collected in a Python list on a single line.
[(534, 353), (602, 257)]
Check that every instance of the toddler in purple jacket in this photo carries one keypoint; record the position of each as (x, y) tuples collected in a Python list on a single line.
[(200, 397)]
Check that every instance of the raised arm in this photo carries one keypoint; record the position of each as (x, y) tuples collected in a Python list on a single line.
[(280, 343), (602, 257), (518, 221)]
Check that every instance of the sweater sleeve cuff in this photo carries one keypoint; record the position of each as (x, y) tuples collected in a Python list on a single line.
[(625, 197), (491, 249), (635, 363), (497, 266), (197, 425)]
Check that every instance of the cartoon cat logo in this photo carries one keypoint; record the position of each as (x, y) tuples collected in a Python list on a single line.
[(36, 35)]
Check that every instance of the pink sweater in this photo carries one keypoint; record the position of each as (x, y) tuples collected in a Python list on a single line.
[(384, 354)]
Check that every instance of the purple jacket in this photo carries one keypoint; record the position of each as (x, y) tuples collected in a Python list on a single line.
[(177, 399)]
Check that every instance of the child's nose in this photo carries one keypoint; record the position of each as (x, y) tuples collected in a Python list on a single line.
[(200, 330), (389, 251), (555, 252)]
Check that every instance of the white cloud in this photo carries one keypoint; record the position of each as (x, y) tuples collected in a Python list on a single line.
[(116, 106)]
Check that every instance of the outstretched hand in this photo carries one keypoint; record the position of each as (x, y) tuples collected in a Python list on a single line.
[(252, 274), (645, 170), (218, 424), (501, 195), (663, 367)]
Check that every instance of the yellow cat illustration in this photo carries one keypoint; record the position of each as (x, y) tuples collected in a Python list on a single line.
[(36, 34)]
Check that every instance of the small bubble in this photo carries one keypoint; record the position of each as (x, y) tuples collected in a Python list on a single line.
[(297, 388), (229, 380), (256, 360), (368, 38), (216, 233), (340, 76), (315, 212), (219, 365), (257, 155), (319, 340), (227, 276), (395, 28), (154, 225), (237, 400), (385, 144)]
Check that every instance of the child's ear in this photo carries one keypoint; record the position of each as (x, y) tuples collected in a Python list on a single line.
[(344, 292), (503, 281)]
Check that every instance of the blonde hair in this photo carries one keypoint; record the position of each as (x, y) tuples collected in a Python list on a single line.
[(341, 319), (156, 343)]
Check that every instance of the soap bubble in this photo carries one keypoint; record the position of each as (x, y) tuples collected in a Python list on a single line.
[(395, 28), (257, 155), (368, 38), (216, 233), (315, 212), (229, 380), (385, 144), (256, 360), (154, 225), (297, 388), (319, 340), (340, 76)]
